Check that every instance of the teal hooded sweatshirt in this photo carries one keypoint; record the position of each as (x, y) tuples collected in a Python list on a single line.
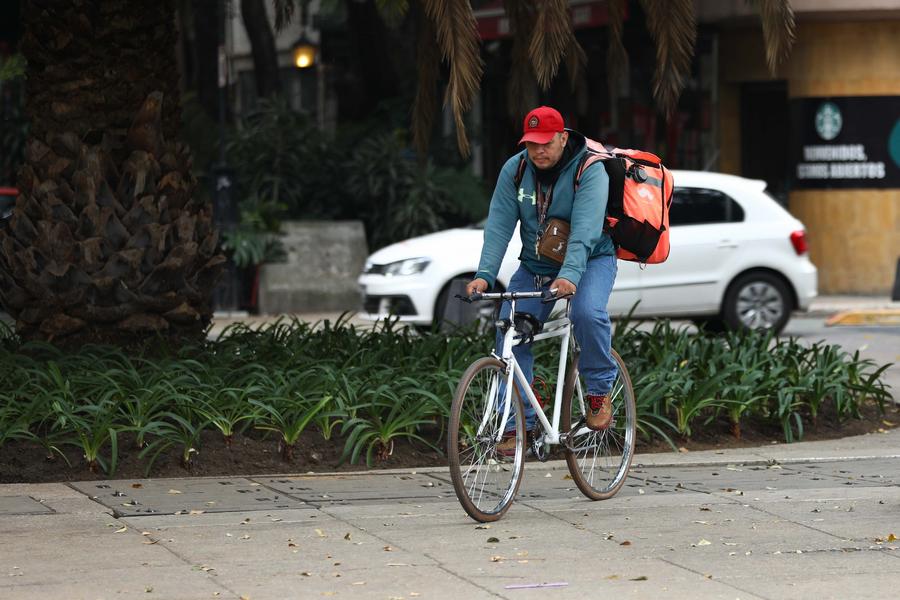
[(584, 210)]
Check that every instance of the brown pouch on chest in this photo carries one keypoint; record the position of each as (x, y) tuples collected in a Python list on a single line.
[(553, 238)]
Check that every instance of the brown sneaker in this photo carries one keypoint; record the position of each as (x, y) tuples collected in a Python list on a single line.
[(507, 446), (599, 412)]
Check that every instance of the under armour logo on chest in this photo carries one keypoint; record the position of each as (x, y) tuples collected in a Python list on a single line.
[(523, 196)]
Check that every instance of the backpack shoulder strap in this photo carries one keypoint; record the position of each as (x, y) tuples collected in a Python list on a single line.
[(590, 157), (520, 172)]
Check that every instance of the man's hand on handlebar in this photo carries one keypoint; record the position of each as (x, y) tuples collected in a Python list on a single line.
[(563, 287), (476, 286)]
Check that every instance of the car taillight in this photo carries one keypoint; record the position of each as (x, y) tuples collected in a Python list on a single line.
[(798, 240)]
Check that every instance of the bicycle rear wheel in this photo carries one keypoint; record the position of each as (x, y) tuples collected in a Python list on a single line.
[(485, 480), (599, 460)]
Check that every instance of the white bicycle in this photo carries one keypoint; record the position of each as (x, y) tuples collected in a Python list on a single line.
[(486, 400)]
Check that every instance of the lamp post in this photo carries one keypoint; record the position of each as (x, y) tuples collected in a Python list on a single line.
[(225, 297), (306, 55)]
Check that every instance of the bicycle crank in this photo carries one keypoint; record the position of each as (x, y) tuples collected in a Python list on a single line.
[(539, 449), (569, 437)]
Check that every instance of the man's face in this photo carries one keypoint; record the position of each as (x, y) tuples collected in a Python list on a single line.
[(545, 156)]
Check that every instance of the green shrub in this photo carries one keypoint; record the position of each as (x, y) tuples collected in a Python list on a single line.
[(371, 387)]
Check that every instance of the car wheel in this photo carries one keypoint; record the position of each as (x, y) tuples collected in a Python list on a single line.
[(758, 301), (710, 324), (440, 305)]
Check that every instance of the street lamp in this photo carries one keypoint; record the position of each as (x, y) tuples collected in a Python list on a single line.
[(304, 52)]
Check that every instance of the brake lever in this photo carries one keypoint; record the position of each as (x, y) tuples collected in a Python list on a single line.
[(469, 299)]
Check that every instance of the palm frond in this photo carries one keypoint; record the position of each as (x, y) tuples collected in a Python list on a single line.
[(550, 39), (778, 30), (520, 83), (458, 39), (616, 56), (673, 26), (284, 13), (428, 65)]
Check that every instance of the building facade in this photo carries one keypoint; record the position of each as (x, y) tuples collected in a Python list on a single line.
[(825, 129)]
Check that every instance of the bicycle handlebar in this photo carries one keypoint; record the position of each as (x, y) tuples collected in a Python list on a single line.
[(546, 296)]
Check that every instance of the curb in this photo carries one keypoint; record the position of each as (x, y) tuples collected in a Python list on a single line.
[(884, 316)]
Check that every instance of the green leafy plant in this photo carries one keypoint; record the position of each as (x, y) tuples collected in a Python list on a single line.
[(288, 417), (378, 424)]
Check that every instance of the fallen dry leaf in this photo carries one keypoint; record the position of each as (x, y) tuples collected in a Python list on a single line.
[(388, 549), (137, 486), (703, 542), (320, 533), (347, 536), (493, 540), (196, 512), (641, 578), (174, 492), (625, 543), (122, 529), (497, 558)]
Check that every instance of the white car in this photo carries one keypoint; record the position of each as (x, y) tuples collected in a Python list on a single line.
[(738, 259)]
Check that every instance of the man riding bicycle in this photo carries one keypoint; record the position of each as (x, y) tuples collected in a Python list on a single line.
[(533, 193)]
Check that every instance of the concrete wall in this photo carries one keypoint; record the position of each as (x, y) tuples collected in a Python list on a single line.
[(324, 259), (854, 234)]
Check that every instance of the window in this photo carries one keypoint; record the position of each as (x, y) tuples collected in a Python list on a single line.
[(698, 206)]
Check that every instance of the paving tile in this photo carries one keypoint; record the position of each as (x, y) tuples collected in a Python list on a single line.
[(337, 489), (21, 505), (148, 496)]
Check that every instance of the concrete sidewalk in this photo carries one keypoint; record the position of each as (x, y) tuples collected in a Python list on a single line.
[(808, 520)]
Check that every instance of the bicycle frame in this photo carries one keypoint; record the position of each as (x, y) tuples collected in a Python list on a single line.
[(552, 329)]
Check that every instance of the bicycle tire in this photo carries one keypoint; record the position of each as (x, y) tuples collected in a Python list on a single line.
[(599, 461), (485, 481)]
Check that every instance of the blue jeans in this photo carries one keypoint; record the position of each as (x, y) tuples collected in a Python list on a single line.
[(590, 325)]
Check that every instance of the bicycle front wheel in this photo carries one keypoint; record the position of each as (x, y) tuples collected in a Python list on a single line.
[(599, 460), (485, 479)]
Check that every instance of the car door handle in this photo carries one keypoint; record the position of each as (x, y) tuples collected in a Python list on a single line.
[(727, 244)]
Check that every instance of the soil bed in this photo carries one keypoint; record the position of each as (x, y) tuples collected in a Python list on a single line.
[(256, 454)]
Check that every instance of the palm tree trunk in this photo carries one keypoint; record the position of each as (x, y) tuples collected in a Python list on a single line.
[(107, 242), (262, 44)]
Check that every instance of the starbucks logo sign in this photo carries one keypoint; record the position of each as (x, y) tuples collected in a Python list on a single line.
[(828, 121)]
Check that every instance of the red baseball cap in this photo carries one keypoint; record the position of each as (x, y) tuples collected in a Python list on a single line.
[(541, 124)]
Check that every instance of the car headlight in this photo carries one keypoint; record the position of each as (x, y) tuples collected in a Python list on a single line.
[(410, 266)]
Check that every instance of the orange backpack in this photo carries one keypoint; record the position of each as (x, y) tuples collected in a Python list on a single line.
[(640, 195)]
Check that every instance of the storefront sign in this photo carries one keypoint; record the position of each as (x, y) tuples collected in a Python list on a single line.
[(846, 142)]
